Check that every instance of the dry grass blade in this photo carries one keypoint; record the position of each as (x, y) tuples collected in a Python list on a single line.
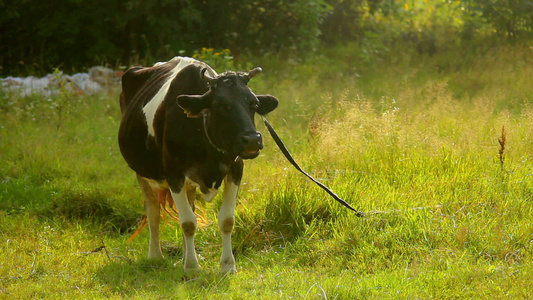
[(502, 140)]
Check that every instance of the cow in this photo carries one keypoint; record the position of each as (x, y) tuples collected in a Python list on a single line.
[(185, 127)]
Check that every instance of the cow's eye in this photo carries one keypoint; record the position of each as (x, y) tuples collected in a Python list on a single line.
[(255, 105)]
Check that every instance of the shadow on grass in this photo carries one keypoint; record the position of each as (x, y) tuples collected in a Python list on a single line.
[(162, 278), (25, 195), (94, 206), (20, 196)]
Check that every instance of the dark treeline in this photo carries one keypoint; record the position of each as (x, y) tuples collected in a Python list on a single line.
[(37, 35)]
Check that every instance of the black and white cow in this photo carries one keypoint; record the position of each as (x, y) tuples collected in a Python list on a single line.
[(185, 127)]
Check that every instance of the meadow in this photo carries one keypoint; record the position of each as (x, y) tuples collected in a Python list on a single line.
[(436, 150)]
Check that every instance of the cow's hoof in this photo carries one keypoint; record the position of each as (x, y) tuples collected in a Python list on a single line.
[(228, 269), (155, 256), (192, 267)]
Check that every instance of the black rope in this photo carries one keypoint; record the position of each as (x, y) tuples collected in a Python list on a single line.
[(289, 157)]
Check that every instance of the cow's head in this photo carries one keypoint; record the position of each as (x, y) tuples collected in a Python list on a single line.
[(228, 109)]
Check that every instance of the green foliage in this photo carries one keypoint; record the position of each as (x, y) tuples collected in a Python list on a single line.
[(220, 60), (68, 36), (77, 34), (507, 17), (424, 27)]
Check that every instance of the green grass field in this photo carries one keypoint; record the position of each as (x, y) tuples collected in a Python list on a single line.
[(412, 142)]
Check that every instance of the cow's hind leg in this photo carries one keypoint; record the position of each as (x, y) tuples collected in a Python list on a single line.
[(191, 196), (188, 225), (151, 207), (226, 220)]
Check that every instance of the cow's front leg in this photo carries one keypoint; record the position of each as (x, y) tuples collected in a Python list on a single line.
[(226, 220), (188, 226)]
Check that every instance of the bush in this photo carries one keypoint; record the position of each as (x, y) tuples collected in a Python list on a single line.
[(82, 33), (509, 18)]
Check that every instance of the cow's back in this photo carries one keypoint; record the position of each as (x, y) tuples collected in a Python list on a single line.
[(144, 97)]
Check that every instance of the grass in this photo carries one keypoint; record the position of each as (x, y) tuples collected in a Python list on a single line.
[(415, 145)]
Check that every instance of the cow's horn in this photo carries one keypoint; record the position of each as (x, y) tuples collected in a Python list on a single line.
[(254, 72), (206, 77)]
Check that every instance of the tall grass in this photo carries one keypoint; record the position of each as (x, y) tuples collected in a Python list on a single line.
[(413, 144)]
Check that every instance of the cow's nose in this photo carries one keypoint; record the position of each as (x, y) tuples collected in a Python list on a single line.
[(252, 141)]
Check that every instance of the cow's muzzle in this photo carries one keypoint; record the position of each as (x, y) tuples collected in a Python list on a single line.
[(252, 144)]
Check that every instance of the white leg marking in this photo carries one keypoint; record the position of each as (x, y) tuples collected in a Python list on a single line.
[(226, 220), (151, 207), (211, 195), (188, 226), (207, 197)]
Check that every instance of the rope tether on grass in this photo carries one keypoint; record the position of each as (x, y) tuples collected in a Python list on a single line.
[(289, 157)]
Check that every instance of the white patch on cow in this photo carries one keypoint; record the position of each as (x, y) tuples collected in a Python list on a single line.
[(211, 195), (151, 107), (189, 225), (189, 184), (226, 219)]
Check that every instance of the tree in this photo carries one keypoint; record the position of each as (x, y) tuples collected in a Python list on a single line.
[(507, 17), (39, 35)]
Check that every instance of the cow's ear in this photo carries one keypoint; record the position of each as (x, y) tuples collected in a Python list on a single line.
[(193, 105), (267, 103)]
